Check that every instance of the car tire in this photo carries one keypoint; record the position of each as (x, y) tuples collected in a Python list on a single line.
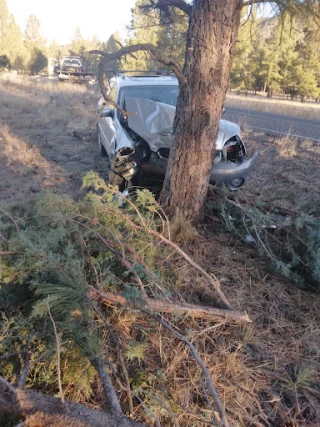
[(117, 180), (102, 150)]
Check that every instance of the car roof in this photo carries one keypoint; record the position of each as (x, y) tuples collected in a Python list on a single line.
[(143, 80)]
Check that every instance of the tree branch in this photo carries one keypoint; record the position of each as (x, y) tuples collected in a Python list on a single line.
[(164, 5), (156, 306), (213, 392), (35, 406), (107, 57), (107, 385), (58, 353)]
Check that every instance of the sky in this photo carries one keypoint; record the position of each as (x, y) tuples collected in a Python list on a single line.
[(60, 18)]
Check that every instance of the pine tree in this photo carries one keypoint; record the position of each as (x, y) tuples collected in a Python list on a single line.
[(242, 74), (33, 33)]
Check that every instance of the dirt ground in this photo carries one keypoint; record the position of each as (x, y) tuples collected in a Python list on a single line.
[(268, 372), (37, 149)]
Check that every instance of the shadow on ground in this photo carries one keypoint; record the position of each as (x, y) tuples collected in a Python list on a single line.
[(37, 149)]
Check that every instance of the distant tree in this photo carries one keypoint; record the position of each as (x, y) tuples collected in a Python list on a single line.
[(143, 29), (38, 61), (4, 16), (111, 45), (55, 50), (35, 43), (19, 53), (32, 32), (4, 62), (11, 40), (242, 75), (169, 33), (81, 46)]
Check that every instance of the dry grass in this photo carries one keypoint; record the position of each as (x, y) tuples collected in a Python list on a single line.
[(267, 372), (274, 106), (288, 171), (36, 122)]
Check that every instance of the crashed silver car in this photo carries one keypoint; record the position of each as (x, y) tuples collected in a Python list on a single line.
[(138, 145)]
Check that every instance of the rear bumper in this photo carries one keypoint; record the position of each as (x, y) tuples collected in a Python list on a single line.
[(226, 172), (75, 77)]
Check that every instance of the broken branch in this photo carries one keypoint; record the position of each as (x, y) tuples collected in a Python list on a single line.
[(58, 353), (155, 305)]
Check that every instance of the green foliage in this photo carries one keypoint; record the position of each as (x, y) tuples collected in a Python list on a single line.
[(169, 35), (277, 55), (291, 243), (4, 62), (38, 61), (58, 252), (135, 351), (33, 33)]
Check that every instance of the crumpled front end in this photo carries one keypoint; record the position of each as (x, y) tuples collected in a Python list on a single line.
[(231, 165), (152, 124), (232, 174)]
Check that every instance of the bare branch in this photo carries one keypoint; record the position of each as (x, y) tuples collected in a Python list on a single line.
[(131, 54), (107, 385), (213, 392), (58, 353), (107, 57), (126, 378), (7, 386), (26, 369), (147, 409), (11, 219)]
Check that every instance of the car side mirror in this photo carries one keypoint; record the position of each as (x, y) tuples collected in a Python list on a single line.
[(223, 110), (107, 112)]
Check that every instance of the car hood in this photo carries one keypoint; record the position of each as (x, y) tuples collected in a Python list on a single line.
[(226, 131), (153, 121)]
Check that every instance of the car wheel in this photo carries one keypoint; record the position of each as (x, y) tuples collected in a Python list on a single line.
[(102, 150)]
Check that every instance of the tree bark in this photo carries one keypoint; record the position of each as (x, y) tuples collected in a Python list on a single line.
[(40, 410), (212, 33)]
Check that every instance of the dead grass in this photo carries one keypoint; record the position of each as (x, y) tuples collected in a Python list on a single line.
[(267, 372), (275, 106), (289, 166), (36, 123)]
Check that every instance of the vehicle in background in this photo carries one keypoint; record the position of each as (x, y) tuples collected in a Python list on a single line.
[(139, 143), (70, 68)]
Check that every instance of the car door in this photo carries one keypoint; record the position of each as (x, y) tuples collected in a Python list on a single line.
[(107, 129)]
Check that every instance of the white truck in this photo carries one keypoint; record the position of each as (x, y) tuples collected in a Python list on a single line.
[(70, 68)]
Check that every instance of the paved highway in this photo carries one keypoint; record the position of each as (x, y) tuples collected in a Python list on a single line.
[(274, 124)]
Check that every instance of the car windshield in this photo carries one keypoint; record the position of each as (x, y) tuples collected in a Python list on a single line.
[(74, 62), (165, 94)]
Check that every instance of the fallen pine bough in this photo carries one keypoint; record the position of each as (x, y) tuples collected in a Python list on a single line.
[(167, 306)]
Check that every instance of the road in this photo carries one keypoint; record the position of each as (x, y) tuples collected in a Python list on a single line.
[(274, 124)]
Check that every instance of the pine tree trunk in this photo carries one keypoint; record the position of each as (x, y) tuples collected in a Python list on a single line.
[(211, 38)]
